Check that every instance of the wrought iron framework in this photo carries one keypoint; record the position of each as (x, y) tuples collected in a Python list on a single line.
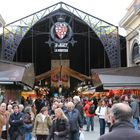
[(14, 32)]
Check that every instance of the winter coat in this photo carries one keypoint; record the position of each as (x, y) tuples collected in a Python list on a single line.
[(75, 120), (62, 127), (122, 131), (1, 123), (16, 123), (100, 111), (42, 127), (135, 109), (79, 107), (108, 115), (87, 108), (28, 123)]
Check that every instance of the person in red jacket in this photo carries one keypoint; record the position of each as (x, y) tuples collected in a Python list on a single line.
[(89, 111)]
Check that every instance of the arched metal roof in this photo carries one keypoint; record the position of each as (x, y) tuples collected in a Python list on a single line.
[(107, 33)]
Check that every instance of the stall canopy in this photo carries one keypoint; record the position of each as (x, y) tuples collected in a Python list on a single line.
[(16, 73), (117, 78)]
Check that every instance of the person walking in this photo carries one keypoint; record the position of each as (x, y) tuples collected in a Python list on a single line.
[(16, 129), (60, 126), (90, 113), (100, 111), (135, 110), (75, 121), (78, 105), (122, 126), (107, 113), (28, 123), (41, 125), (4, 122)]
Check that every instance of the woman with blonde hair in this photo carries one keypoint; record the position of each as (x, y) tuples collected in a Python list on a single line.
[(60, 127), (41, 125)]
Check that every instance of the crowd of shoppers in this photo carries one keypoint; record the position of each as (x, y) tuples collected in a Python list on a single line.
[(62, 119), (41, 119)]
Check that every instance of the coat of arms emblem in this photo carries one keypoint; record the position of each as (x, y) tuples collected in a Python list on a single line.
[(61, 29), (61, 32)]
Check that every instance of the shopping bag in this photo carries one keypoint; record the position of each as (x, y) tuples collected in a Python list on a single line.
[(33, 138), (81, 137)]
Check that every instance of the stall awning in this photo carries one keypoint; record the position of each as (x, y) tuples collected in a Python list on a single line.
[(13, 72), (117, 78)]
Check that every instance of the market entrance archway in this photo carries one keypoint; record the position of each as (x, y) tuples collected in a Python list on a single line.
[(96, 40)]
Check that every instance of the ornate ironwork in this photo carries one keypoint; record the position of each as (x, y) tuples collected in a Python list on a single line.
[(107, 33)]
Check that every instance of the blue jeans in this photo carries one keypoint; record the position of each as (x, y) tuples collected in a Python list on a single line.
[(74, 135), (102, 126), (8, 137), (28, 135), (135, 123), (90, 121)]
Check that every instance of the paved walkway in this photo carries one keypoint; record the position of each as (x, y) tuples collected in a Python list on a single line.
[(93, 135)]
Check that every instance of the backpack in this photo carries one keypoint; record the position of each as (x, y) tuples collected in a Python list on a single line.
[(92, 109)]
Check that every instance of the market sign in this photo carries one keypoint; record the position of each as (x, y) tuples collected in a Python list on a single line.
[(61, 36), (61, 47)]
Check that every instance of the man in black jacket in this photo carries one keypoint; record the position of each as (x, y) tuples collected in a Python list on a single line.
[(16, 124), (122, 126)]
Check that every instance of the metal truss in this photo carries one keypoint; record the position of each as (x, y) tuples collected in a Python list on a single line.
[(14, 32)]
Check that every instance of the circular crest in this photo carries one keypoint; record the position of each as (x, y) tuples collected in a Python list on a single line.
[(61, 32)]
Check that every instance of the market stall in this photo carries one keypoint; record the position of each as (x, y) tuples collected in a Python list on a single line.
[(15, 77)]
